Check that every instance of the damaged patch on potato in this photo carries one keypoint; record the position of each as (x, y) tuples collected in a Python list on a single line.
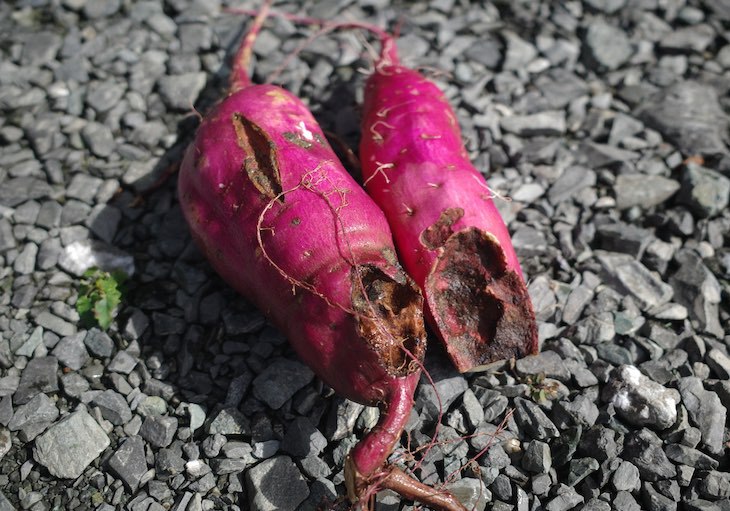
[(297, 139), (260, 162), (481, 307), (390, 318), (436, 235)]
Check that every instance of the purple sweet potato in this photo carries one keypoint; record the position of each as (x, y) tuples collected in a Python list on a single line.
[(284, 224), (450, 236)]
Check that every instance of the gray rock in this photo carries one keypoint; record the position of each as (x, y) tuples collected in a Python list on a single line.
[(704, 191), (55, 324), (279, 381), (598, 155), (103, 220), (579, 469), (237, 450), (624, 238), (715, 485), (695, 38), (645, 191), (322, 492), (573, 179), (32, 418), (99, 343), (533, 420), (74, 385), (29, 346), (180, 92), (169, 462), (684, 455), (690, 116), (627, 274), (581, 410), (265, 449), (486, 50), (158, 430), (697, 288), (197, 416), (625, 501), (113, 407), (502, 488), (101, 9), (151, 405), (566, 498), (230, 466), (25, 262), (529, 241), (103, 96), (40, 48), (655, 501), (20, 189), (547, 363), (40, 375), (276, 484), (7, 240), (213, 444), (640, 400), (537, 457), (493, 403), (229, 421), (599, 442), (719, 363), (71, 351), (576, 302), (303, 439), (99, 139), (471, 409), (122, 362), (128, 462), (644, 449), (606, 45), (70, 445), (706, 411), (626, 477), (449, 385), (548, 123), (519, 53)]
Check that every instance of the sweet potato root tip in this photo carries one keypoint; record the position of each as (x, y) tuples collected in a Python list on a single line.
[(261, 163), (381, 302), (405, 485), (479, 303)]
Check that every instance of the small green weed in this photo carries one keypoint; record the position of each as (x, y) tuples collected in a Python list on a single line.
[(100, 294)]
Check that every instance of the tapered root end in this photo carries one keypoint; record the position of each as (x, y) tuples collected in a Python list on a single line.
[(393, 478), (481, 307)]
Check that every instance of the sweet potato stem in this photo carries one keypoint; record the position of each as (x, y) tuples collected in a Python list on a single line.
[(240, 77)]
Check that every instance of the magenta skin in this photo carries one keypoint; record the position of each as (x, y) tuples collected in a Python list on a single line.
[(430, 166), (301, 235), (449, 234)]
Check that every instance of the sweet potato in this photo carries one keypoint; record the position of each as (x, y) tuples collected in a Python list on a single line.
[(450, 236), (283, 223)]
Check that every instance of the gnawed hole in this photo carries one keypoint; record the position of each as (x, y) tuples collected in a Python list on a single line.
[(481, 307), (390, 317), (259, 161), (437, 234)]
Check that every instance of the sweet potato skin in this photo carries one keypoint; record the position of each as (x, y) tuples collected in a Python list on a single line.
[(439, 206), (260, 173)]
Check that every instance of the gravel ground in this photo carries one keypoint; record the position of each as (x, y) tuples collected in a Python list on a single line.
[(605, 124)]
